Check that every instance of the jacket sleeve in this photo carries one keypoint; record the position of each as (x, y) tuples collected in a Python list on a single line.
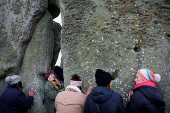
[(83, 100), (121, 108), (22, 102), (52, 92), (86, 108), (134, 104)]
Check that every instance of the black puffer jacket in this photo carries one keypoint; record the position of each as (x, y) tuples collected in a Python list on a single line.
[(146, 99), (108, 101)]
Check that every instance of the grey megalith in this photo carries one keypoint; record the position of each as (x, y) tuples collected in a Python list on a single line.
[(118, 36), (29, 44)]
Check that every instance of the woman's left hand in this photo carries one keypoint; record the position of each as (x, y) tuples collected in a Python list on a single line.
[(88, 91), (129, 94)]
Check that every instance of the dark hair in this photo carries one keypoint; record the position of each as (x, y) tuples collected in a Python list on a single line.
[(17, 85), (75, 77), (61, 77), (59, 72)]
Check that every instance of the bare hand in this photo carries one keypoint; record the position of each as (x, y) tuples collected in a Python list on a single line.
[(56, 83), (88, 91), (31, 92), (56, 87), (129, 94)]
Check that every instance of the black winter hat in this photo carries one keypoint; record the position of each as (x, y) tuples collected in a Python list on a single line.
[(102, 78), (58, 70)]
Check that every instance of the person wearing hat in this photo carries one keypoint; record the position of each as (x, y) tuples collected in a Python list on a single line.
[(102, 99), (59, 73), (51, 89), (145, 98), (72, 100), (13, 99)]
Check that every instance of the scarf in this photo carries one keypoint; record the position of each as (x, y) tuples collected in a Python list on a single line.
[(73, 87), (149, 83)]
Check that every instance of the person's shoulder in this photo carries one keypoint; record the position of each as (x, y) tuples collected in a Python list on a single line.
[(83, 95), (116, 94), (11, 90), (137, 96), (48, 84), (15, 90), (62, 93), (78, 94)]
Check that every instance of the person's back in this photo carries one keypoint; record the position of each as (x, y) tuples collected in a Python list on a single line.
[(108, 101), (70, 102), (13, 99), (102, 98)]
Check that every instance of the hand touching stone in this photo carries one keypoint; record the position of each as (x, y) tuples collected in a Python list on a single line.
[(31, 92), (129, 95), (88, 91)]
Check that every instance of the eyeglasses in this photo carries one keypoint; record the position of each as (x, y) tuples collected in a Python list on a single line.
[(52, 75)]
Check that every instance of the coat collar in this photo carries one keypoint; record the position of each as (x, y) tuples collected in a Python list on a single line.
[(50, 85), (73, 87)]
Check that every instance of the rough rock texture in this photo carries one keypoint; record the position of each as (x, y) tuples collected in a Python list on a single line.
[(57, 45), (118, 36), (18, 21), (29, 44), (37, 61)]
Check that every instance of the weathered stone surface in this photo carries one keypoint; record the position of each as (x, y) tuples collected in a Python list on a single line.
[(116, 35), (29, 44), (119, 36), (37, 61), (57, 44), (3, 85), (18, 20)]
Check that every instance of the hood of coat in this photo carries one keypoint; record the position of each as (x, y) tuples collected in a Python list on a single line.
[(101, 94), (153, 95)]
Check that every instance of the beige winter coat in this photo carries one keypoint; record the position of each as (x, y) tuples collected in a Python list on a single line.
[(70, 102)]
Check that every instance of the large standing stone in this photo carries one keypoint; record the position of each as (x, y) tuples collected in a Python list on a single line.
[(57, 44), (118, 36), (37, 61), (18, 20), (29, 43)]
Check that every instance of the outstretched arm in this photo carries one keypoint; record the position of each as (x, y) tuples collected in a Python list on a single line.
[(22, 102)]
